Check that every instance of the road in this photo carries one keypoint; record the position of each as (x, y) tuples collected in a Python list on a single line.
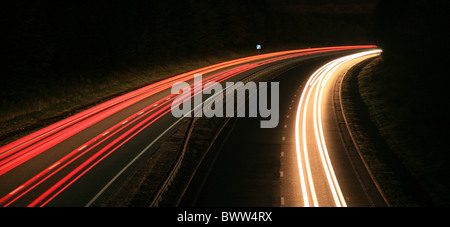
[(302, 162), (74, 161)]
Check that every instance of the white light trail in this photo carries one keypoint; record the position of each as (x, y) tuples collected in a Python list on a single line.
[(316, 83)]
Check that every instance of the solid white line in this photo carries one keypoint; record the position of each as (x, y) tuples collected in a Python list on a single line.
[(311, 84), (316, 83), (337, 193), (326, 154), (146, 148), (300, 157), (130, 163), (324, 76)]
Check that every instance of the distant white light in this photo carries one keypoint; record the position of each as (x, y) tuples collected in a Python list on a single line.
[(258, 47)]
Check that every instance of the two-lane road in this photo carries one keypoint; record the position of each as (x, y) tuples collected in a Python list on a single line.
[(326, 170), (301, 162), (74, 161)]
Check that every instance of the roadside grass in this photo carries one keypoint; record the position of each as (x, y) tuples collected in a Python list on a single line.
[(27, 106), (31, 104), (371, 144), (382, 103)]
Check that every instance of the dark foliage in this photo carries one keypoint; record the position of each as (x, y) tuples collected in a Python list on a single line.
[(43, 36), (413, 35), (414, 84)]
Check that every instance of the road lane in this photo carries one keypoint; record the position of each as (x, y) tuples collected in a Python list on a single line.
[(309, 164), (249, 166), (320, 149), (70, 162)]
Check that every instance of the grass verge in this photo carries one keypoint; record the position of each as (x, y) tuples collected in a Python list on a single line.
[(37, 105), (401, 165), (27, 106)]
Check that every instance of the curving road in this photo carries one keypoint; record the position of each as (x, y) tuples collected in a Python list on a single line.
[(327, 175), (302, 162), (74, 161)]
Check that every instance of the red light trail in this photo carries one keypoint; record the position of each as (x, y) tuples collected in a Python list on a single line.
[(94, 151)]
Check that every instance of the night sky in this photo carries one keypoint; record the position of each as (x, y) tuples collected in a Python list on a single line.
[(42, 35)]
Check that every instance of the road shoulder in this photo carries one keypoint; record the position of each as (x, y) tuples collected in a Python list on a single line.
[(397, 184)]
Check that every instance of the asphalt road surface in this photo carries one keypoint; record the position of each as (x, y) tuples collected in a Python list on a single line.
[(251, 166), (75, 161)]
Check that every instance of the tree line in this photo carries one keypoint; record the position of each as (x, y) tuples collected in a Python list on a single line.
[(53, 36)]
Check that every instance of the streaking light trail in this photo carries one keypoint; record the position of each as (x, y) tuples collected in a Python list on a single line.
[(309, 133), (70, 165)]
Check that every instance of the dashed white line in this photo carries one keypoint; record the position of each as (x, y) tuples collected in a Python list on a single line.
[(81, 148), (16, 190), (54, 165)]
